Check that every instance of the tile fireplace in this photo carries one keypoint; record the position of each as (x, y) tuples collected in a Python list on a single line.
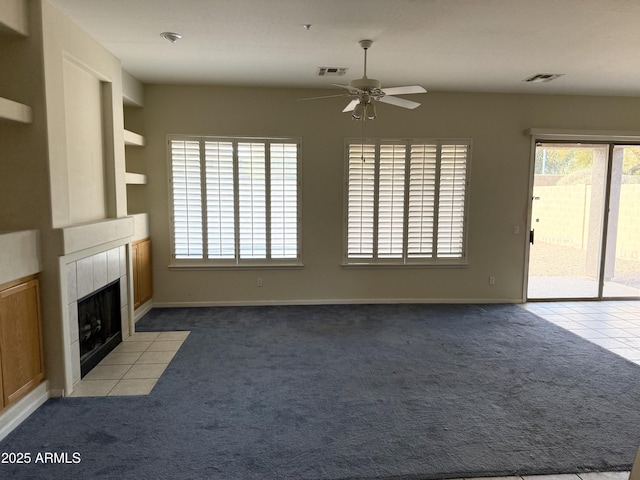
[(103, 273)]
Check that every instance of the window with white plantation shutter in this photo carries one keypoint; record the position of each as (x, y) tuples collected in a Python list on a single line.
[(422, 201), (391, 201), (406, 201), (361, 191), (221, 225), (187, 199), (284, 200), (252, 199), (451, 203), (235, 201)]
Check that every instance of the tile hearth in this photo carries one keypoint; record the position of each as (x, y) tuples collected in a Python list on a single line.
[(133, 367)]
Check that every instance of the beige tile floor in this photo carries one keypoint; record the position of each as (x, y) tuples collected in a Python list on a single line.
[(133, 367), (614, 325)]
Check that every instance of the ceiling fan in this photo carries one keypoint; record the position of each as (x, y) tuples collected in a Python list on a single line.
[(367, 89)]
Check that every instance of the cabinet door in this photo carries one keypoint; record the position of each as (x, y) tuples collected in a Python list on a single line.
[(1, 389), (20, 340), (142, 274), (136, 274)]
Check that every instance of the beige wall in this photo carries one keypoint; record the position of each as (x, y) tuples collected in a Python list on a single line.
[(24, 190), (498, 195), (44, 184), (85, 149), (64, 44), (13, 16)]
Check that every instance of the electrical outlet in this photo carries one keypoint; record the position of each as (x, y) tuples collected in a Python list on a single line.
[(259, 282), (516, 229), (492, 280)]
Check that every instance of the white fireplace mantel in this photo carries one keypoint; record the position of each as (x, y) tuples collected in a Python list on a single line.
[(86, 235)]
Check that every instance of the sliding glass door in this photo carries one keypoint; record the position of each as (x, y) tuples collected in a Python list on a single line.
[(621, 272), (584, 240)]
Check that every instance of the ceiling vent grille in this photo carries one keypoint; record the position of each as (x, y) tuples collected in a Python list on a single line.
[(542, 77), (331, 71)]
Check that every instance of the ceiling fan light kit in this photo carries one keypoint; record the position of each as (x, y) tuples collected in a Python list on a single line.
[(367, 89)]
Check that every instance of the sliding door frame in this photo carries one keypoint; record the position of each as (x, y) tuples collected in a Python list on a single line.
[(608, 138)]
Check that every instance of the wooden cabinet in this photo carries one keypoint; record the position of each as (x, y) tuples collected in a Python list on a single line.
[(142, 278), (21, 362)]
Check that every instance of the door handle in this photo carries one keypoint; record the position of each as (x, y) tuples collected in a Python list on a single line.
[(531, 236)]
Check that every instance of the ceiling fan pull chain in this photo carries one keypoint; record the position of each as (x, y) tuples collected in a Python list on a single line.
[(362, 140)]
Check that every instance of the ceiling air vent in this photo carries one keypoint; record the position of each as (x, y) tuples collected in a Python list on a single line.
[(331, 71), (543, 77)]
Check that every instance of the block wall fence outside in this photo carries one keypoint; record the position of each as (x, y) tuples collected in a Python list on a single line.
[(561, 226), (629, 222), (569, 225)]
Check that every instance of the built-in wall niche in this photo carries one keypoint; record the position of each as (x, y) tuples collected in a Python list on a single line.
[(89, 141)]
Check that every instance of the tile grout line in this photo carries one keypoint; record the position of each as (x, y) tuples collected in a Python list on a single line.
[(147, 349)]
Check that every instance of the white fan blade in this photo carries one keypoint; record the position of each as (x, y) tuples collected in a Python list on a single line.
[(348, 87), (399, 102), (324, 96), (351, 106), (406, 90)]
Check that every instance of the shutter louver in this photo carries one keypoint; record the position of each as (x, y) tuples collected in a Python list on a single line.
[(220, 200), (252, 197), (391, 201), (422, 197), (187, 199), (451, 209), (361, 191), (283, 173)]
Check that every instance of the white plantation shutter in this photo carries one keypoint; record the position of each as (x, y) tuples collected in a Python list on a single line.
[(361, 192), (235, 201), (451, 205), (283, 173), (391, 201), (220, 200), (187, 199), (252, 200), (401, 213), (422, 198)]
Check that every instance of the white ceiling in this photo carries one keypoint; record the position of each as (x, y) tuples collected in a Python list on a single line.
[(443, 45)]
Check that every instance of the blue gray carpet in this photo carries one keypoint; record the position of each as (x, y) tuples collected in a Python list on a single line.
[(352, 392)]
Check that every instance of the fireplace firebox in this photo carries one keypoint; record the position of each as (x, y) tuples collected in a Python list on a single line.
[(99, 325)]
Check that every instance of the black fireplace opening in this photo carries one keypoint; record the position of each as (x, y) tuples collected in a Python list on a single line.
[(99, 325)]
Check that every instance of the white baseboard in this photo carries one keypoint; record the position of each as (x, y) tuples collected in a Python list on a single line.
[(353, 301), (58, 393), (142, 310), (18, 413)]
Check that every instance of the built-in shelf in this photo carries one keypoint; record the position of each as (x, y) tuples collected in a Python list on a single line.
[(136, 178), (133, 139), (14, 111)]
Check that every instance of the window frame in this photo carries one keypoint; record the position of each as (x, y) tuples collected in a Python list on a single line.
[(404, 259), (237, 262)]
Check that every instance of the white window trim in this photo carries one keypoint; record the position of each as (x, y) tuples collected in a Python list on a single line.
[(405, 261), (235, 263)]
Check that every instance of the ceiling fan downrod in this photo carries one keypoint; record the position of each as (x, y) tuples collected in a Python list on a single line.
[(365, 44)]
